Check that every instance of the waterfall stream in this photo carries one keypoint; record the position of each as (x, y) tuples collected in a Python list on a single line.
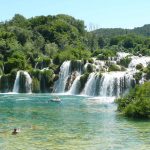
[(59, 86), (75, 85), (109, 84), (87, 78), (16, 84), (115, 83), (22, 83), (90, 86)]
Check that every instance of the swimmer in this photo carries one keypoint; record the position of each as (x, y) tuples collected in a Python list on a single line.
[(15, 131)]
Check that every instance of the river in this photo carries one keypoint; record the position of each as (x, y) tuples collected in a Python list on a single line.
[(77, 123)]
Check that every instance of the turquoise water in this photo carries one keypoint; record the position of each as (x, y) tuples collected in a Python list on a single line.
[(75, 124)]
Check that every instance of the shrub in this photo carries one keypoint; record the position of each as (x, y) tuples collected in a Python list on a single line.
[(137, 103), (76, 65), (71, 54), (114, 67), (139, 67), (137, 77), (104, 54), (83, 80), (14, 63), (35, 85), (89, 68), (91, 60), (4, 84), (125, 61)]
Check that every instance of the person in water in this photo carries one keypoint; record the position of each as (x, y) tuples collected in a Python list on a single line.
[(15, 131)]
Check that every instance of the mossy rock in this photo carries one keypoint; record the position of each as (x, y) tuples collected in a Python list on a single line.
[(83, 80), (76, 65), (4, 83), (125, 61), (139, 67), (91, 60), (89, 68), (138, 76), (35, 85), (114, 67)]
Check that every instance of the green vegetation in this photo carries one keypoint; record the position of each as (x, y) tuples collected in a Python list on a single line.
[(138, 76), (42, 80), (114, 67), (139, 67), (104, 54), (83, 80), (147, 71), (133, 41), (89, 68), (137, 103), (125, 61), (33, 43)]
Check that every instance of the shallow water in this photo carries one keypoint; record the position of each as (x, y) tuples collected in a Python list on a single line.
[(78, 123)]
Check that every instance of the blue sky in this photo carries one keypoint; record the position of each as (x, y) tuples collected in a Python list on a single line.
[(95, 13)]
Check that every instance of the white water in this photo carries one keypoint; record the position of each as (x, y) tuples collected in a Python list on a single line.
[(115, 83), (139, 60), (16, 84), (121, 55), (27, 83), (74, 88), (90, 86), (108, 86), (60, 84)]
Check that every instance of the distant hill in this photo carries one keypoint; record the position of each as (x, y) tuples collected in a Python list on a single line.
[(145, 30), (111, 32)]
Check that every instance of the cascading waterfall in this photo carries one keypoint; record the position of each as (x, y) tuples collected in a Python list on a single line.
[(139, 60), (108, 84), (90, 86), (28, 82), (60, 84), (16, 84), (121, 55), (74, 88), (74, 77), (115, 83), (22, 83)]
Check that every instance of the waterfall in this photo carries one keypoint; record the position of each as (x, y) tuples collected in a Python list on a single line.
[(109, 84), (22, 83), (115, 83), (90, 86), (16, 84), (74, 88), (121, 55), (139, 60), (28, 82), (64, 73)]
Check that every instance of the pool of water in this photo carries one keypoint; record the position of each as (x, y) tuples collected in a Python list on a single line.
[(77, 123)]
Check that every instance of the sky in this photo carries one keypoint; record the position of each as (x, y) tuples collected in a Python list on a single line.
[(95, 13)]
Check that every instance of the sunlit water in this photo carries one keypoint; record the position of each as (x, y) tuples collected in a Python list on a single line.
[(78, 123)]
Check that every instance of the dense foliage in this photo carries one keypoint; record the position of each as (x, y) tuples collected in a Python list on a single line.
[(32, 43), (35, 42), (137, 103), (135, 41)]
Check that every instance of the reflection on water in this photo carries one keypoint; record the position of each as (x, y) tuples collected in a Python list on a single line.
[(76, 123)]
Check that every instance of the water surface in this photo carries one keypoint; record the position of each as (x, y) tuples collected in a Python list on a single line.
[(76, 123)]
